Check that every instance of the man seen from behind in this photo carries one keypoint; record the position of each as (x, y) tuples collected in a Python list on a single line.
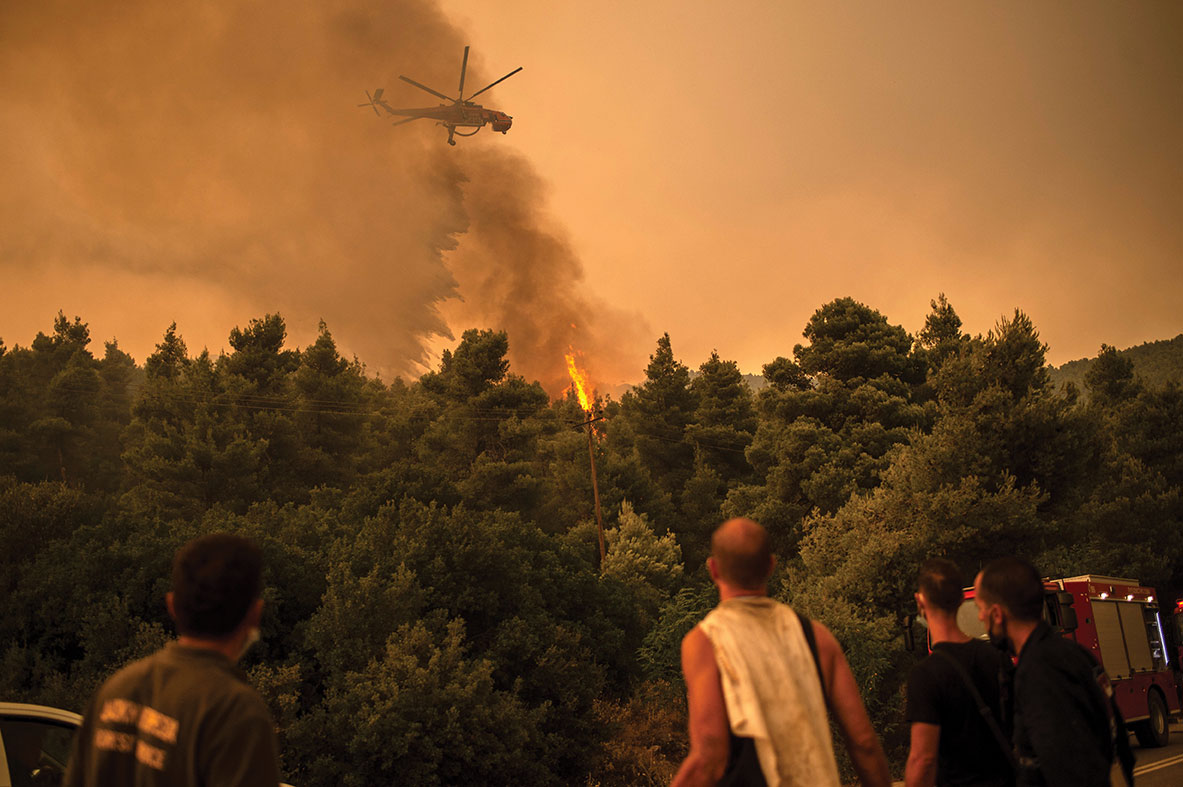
[(953, 743), (758, 689), (186, 716)]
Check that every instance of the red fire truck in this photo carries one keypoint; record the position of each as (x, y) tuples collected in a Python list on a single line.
[(1118, 621)]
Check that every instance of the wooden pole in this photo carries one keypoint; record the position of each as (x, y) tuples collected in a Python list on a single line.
[(591, 454)]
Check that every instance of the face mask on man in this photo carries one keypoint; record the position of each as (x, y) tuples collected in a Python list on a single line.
[(997, 638), (252, 637)]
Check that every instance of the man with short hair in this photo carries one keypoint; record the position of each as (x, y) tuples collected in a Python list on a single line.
[(953, 745), (757, 689), (186, 716), (1062, 725)]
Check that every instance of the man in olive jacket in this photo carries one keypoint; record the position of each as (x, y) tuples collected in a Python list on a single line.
[(186, 716)]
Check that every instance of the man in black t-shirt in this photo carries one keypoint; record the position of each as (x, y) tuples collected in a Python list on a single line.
[(952, 744)]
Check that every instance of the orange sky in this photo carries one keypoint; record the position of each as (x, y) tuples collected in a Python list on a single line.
[(717, 171), (726, 168)]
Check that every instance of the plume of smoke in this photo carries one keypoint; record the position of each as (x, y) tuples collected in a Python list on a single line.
[(524, 277), (184, 155)]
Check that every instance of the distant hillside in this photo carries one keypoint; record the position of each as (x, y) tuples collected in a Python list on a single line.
[(1154, 362), (755, 381)]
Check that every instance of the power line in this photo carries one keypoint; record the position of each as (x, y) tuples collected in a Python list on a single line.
[(336, 407)]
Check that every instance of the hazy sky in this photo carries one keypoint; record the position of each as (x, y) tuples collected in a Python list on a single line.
[(717, 171), (726, 168)]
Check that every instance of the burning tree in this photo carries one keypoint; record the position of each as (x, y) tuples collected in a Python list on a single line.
[(587, 402)]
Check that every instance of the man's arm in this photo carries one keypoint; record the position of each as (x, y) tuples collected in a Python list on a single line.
[(849, 712), (709, 729), (921, 770)]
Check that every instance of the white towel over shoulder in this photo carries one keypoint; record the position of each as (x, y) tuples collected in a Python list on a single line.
[(771, 689)]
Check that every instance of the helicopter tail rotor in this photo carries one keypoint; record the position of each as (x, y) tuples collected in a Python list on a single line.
[(374, 101)]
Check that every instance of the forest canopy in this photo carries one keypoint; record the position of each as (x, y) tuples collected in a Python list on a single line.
[(437, 609)]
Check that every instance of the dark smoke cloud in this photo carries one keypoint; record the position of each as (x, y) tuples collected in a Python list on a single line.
[(525, 277), (215, 146)]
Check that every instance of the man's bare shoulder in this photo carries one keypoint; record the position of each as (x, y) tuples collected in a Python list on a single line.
[(827, 643), (696, 640), (698, 656)]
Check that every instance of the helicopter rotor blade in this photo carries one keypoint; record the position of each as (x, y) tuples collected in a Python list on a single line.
[(408, 80), (372, 103), (407, 120), (463, 69), (486, 87)]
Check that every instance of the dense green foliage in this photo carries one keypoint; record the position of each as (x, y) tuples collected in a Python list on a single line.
[(436, 608)]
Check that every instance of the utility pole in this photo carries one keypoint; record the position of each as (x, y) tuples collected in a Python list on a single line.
[(591, 455)]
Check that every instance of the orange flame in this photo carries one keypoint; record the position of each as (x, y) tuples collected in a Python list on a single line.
[(579, 381)]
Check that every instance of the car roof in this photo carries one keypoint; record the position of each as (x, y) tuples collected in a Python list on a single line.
[(14, 710)]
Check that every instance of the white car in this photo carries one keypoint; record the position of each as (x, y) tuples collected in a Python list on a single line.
[(34, 744)]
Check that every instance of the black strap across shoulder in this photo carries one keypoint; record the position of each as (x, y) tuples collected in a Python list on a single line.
[(807, 630), (983, 708)]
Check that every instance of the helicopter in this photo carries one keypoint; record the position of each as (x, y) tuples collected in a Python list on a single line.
[(461, 113)]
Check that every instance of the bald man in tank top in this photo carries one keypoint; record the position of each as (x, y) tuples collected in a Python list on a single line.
[(757, 695)]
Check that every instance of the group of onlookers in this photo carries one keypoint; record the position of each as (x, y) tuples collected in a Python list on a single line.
[(1027, 707), (763, 683)]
